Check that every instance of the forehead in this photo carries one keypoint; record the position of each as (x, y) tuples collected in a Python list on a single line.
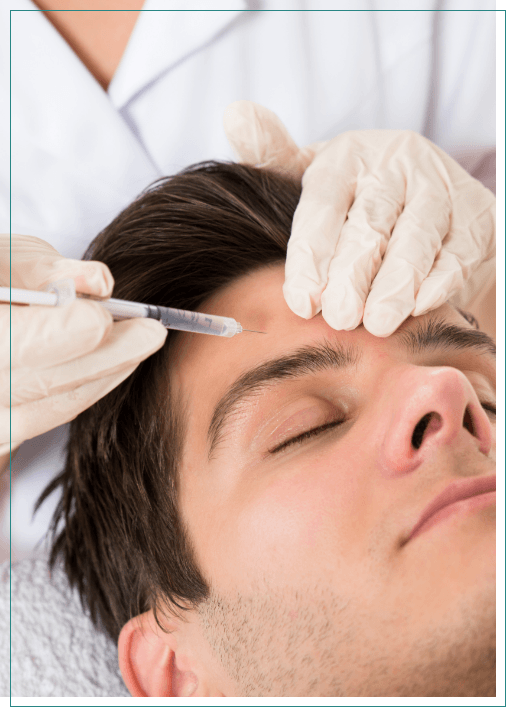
[(202, 367)]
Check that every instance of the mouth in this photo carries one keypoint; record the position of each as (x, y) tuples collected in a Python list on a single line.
[(476, 493)]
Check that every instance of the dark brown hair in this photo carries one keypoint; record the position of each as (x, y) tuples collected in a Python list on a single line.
[(117, 529)]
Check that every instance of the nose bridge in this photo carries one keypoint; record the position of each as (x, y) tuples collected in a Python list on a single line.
[(423, 388), (425, 408)]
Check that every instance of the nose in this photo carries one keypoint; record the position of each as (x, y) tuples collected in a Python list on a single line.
[(424, 409)]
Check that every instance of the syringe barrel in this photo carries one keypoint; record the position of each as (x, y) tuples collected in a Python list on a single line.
[(198, 322), (180, 319), (123, 309)]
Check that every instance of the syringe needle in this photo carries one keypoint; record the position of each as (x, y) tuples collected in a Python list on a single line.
[(255, 332)]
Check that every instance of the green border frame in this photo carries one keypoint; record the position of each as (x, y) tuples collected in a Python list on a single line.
[(457, 702)]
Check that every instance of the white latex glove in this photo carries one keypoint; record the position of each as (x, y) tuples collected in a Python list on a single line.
[(388, 224), (65, 358)]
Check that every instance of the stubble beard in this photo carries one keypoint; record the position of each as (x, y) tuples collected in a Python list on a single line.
[(310, 643)]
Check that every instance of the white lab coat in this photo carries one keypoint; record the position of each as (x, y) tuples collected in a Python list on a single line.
[(79, 154)]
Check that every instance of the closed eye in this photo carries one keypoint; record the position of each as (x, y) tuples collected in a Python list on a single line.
[(299, 439), (489, 408)]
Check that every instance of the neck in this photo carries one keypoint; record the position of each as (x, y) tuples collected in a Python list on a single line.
[(98, 37)]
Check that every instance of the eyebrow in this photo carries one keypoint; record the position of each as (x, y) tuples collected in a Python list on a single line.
[(302, 362), (436, 333), (431, 334)]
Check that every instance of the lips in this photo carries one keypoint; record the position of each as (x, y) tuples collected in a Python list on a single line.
[(456, 491)]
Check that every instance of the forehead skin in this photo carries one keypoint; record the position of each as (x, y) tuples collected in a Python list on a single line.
[(324, 520)]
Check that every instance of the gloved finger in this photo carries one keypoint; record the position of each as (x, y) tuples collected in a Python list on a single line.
[(34, 263), (483, 277), (468, 249), (45, 336), (40, 416), (411, 252), (258, 137), (127, 344), (91, 277), (18, 251), (445, 277), (359, 252), (317, 223)]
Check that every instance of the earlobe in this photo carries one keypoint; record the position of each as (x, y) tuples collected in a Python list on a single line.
[(148, 661)]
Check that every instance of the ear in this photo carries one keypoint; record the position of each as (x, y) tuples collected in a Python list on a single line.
[(150, 663)]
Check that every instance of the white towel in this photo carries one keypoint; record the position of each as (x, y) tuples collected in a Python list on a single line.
[(56, 650)]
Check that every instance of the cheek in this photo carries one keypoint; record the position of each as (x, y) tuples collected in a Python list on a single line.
[(291, 527)]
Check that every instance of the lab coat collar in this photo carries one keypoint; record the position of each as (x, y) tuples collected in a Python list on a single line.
[(155, 47)]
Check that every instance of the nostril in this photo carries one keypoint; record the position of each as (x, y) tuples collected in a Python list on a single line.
[(432, 420), (468, 423), (419, 431)]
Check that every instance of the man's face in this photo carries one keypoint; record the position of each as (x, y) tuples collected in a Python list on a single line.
[(310, 456)]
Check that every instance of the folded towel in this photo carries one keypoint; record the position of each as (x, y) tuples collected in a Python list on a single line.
[(56, 650)]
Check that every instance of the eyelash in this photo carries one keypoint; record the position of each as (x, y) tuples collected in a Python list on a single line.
[(489, 408), (299, 439)]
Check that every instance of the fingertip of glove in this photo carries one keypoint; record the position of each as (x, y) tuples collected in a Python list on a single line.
[(429, 301), (299, 302), (382, 322), (418, 310), (153, 332), (340, 323), (154, 326), (342, 307), (96, 279), (235, 109), (92, 315)]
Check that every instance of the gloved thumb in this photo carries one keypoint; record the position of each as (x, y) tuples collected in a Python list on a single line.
[(258, 137)]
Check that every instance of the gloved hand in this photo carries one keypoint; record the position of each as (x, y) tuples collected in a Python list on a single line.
[(388, 224), (65, 358)]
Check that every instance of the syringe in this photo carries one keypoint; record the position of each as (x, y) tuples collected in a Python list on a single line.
[(63, 291)]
